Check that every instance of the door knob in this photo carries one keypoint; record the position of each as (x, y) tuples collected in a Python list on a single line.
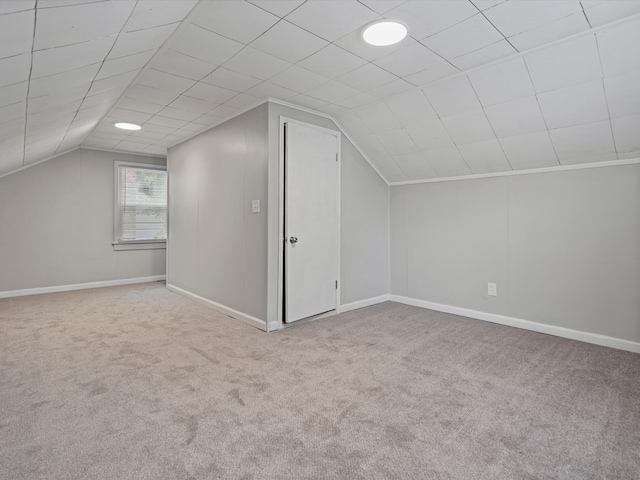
[(293, 240)]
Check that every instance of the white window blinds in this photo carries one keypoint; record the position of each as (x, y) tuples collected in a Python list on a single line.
[(141, 204)]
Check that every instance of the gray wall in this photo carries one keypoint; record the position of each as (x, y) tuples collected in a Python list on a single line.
[(56, 224), (364, 226), (217, 247), (563, 247)]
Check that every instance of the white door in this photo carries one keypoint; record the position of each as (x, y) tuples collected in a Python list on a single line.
[(311, 221)]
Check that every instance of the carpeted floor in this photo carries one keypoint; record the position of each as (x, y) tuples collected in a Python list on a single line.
[(136, 382)]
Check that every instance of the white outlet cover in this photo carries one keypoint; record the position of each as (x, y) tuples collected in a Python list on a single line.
[(492, 289), (255, 206)]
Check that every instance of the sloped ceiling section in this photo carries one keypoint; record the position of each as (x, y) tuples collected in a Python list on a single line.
[(65, 63), (479, 86)]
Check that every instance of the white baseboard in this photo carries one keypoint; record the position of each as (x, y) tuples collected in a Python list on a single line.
[(587, 337), (80, 286), (248, 319), (347, 307)]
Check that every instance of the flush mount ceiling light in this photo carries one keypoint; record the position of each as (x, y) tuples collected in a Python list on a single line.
[(384, 33), (127, 126)]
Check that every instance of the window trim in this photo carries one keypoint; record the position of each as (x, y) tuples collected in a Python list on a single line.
[(132, 244)]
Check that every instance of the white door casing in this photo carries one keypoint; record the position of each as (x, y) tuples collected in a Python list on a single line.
[(311, 221)]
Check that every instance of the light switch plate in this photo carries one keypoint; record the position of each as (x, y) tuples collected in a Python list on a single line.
[(255, 206), (492, 289)]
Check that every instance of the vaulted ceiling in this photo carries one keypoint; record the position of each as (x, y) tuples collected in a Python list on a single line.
[(479, 86)]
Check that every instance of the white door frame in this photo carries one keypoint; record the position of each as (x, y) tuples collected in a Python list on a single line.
[(338, 135)]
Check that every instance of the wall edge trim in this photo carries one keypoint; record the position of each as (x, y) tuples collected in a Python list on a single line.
[(80, 286), (533, 171), (367, 302), (587, 337), (24, 167), (230, 312)]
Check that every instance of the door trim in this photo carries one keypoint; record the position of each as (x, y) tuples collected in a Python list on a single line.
[(281, 148)]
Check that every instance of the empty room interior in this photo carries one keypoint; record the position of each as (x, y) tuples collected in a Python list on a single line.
[(308, 239)]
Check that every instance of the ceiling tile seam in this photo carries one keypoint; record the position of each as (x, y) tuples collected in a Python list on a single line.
[(16, 11), (498, 30), (159, 51), (42, 2), (535, 94), (94, 79), (26, 106), (512, 56), (586, 17), (150, 28), (606, 97), (74, 43), (455, 24), (490, 124), (275, 14)]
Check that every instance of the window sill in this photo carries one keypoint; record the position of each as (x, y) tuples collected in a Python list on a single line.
[(140, 246)]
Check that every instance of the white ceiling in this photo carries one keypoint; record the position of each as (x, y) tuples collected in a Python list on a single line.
[(479, 86)]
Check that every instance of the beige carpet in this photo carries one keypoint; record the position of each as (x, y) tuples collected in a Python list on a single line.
[(137, 382)]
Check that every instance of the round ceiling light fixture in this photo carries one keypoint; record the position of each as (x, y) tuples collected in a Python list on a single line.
[(384, 33), (127, 126)]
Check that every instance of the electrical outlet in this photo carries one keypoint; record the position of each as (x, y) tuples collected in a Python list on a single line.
[(255, 206), (492, 289)]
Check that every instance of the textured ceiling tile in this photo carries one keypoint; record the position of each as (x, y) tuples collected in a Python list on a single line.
[(16, 6), (561, 65), (397, 142), (625, 133), (57, 60), (516, 117), (430, 135), (190, 40), (411, 108), (231, 80), (211, 93), (366, 77), (584, 103), (433, 16), (484, 55), (289, 42), (622, 94), (485, 157), (16, 33), (620, 48), (79, 23), (447, 162), (165, 81), (382, 6), (390, 89), (560, 28), (505, 81), (190, 104), (469, 35), (141, 41), (512, 18), (591, 142), (151, 13), (14, 69), (182, 65), (222, 17), (278, 7), (532, 150), (332, 61), (298, 79), (432, 74), (119, 66), (452, 96), (13, 93), (408, 60), (378, 118), (256, 64), (333, 92), (469, 127), (602, 12), (415, 166), (267, 89), (331, 20)]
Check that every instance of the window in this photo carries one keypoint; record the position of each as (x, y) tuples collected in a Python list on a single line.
[(140, 206)]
